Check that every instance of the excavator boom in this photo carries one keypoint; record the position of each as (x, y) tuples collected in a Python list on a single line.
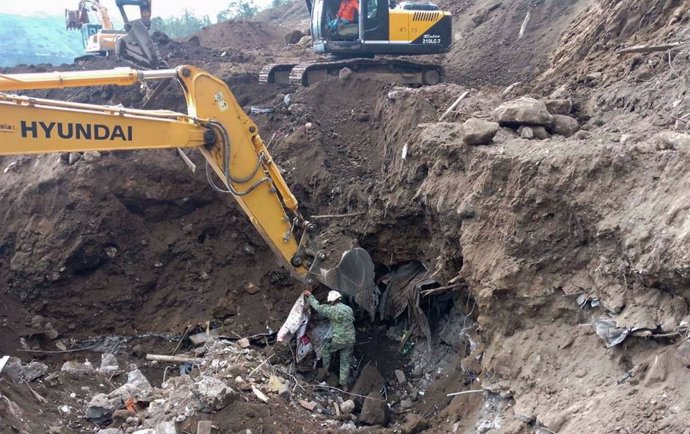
[(237, 160)]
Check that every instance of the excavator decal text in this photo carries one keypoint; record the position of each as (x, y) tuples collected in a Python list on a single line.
[(68, 131)]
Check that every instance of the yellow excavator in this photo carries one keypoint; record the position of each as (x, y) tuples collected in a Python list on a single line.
[(237, 161), (379, 27), (100, 38)]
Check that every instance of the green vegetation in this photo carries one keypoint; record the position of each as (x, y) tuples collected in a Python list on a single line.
[(179, 27), (33, 40), (238, 10)]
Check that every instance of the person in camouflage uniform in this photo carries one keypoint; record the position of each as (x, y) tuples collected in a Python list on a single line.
[(343, 337)]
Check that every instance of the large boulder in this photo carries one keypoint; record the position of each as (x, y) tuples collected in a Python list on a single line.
[(559, 106), (375, 410), (370, 380), (523, 111), (478, 131), (564, 125)]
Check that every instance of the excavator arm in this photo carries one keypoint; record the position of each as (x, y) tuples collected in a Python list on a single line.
[(237, 160)]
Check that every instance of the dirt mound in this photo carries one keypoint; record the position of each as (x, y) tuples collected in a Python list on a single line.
[(293, 15), (240, 35), (492, 47)]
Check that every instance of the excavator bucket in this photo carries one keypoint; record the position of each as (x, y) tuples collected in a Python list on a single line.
[(354, 277), (137, 47), (74, 19)]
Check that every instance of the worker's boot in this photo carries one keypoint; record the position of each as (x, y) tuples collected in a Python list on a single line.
[(322, 374)]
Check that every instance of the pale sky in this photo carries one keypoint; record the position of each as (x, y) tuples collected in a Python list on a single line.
[(163, 8)]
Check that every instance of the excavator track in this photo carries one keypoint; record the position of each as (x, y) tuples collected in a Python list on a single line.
[(393, 70), (278, 73)]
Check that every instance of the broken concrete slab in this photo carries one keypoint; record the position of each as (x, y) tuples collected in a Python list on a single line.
[(212, 394)]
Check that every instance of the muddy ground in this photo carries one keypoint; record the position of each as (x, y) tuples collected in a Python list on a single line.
[(538, 240)]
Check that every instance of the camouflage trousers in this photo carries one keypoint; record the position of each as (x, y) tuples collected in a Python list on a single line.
[(345, 354)]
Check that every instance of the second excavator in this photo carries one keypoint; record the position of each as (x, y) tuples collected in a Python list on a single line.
[(378, 28)]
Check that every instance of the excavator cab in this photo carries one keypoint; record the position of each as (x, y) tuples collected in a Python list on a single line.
[(380, 28), (415, 28)]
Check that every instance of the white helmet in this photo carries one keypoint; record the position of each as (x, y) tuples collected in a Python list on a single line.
[(333, 296)]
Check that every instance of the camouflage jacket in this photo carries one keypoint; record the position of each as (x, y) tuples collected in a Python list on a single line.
[(341, 318)]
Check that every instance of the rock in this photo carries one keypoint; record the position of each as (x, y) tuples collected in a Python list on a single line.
[(656, 373), (304, 40), (582, 135), (110, 431), (204, 427), (683, 353), (345, 73), (478, 131), (370, 380), (284, 390), (309, 405), (101, 407), (540, 133), (294, 37), (523, 111), (559, 106), (144, 431), (406, 404), (248, 249), (526, 132), (672, 140), (111, 252), (400, 376), (120, 416), (251, 288), (297, 108), (137, 379), (374, 410), (224, 308), (108, 363), (274, 384), (414, 423), (92, 156), (73, 157), (51, 334), (72, 367), (243, 343), (166, 428), (564, 126), (24, 372), (212, 394), (347, 407)]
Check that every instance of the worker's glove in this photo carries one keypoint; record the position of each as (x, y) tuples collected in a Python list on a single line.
[(306, 293)]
